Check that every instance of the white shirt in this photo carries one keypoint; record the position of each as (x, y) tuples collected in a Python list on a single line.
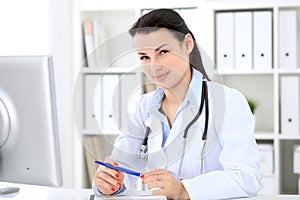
[(231, 158)]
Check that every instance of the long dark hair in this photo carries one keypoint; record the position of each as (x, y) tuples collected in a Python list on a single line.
[(171, 20)]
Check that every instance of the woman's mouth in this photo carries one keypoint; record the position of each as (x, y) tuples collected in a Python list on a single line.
[(160, 77)]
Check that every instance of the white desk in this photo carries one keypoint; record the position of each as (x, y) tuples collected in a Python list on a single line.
[(30, 192)]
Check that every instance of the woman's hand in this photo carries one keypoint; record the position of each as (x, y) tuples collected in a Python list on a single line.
[(168, 184), (107, 180)]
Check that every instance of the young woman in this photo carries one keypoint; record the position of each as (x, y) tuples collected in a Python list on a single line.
[(200, 143)]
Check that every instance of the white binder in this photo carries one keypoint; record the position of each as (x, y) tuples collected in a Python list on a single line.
[(224, 41), (130, 90), (296, 159), (266, 158), (262, 36), (243, 40), (288, 39), (290, 105), (110, 103), (92, 103)]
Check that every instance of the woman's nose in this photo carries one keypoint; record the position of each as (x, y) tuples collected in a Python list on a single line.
[(155, 65)]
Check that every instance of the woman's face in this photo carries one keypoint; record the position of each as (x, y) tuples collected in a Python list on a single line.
[(164, 59)]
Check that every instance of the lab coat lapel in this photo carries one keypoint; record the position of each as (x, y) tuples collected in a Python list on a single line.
[(185, 116), (155, 136), (156, 157)]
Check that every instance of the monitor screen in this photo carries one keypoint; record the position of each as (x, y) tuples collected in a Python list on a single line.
[(29, 140)]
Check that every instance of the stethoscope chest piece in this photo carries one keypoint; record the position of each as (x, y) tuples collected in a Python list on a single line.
[(143, 153)]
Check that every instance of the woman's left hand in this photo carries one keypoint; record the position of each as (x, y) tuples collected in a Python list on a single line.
[(168, 184)]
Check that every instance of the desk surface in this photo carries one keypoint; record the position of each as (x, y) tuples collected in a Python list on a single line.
[(30, 192)]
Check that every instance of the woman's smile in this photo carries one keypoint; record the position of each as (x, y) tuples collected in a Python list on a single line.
[(160, 77)]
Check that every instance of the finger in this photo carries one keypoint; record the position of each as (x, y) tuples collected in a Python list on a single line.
[(113, 173), (155, 184), (111, 161), (102, 183), (154, 171), (153, 178), (149, 178), (163, 192)]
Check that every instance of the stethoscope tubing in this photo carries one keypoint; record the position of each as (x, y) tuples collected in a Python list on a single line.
[(143, 151)]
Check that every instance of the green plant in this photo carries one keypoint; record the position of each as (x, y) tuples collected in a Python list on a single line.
[(252, 104)]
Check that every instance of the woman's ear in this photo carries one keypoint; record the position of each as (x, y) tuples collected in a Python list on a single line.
[(189, 43)]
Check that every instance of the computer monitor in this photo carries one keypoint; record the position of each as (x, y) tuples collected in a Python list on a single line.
[(29, 140)]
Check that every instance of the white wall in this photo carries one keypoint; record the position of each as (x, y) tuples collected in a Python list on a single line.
[(23, 27), (39, 27), (60, 46)]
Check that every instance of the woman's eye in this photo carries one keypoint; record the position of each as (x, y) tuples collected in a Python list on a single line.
[(162, 52), (144, 57)]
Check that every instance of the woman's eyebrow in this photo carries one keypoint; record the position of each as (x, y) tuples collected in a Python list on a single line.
[(158, 48)]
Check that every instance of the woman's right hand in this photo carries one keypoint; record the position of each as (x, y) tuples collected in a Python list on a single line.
[(107, 180)]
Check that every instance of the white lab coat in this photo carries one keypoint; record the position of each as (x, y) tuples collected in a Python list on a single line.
[(231, 158)]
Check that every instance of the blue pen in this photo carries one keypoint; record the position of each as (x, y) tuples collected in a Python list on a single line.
[(128, 171)]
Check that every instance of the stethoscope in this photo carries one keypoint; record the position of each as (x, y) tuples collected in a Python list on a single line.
[(143, 151)]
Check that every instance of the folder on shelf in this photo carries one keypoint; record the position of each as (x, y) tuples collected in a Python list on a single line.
[(101, 48), (110, 103), (94, 44), (243, 40), (268, 184), (266, 158), (92, 103), (290, 105), (296, 159), (287, 39), (89, 45), (224, 41), (262, 40), (130, 90)]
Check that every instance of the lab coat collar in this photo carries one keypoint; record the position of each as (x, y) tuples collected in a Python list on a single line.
[(193, 97), (193, 94)]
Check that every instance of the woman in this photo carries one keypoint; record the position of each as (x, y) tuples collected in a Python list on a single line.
[(183, 163)]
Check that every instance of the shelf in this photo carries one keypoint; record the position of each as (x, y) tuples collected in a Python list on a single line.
[(93, 132), (289, 137), (88, 5), (251, 4), (264, 135), (289, 71), (248, 72), (109, 70)]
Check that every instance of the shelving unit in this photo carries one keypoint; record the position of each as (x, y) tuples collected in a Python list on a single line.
[(115, 19), (264, 87), (261, 85)]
